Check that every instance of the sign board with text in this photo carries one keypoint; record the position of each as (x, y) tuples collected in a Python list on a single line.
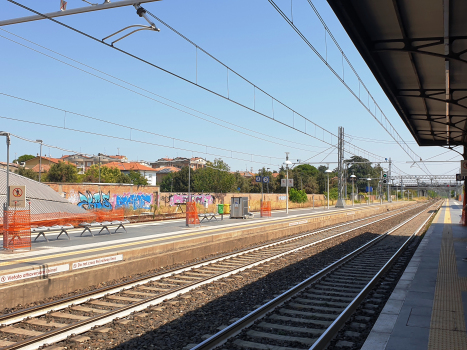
[(17, 196), (284, 182), (460, 177), (463, 167)]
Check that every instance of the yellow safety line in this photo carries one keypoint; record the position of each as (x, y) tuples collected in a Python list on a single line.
[(125, 245), (447, 213)]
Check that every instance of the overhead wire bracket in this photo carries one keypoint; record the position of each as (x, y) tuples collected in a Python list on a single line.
[(142, 13)]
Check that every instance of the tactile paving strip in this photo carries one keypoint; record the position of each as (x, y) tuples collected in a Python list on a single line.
[(447, 329)]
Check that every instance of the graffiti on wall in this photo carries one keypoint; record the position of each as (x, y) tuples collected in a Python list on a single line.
[(100, 200), (136, 200), (97, 200), (198, 198)]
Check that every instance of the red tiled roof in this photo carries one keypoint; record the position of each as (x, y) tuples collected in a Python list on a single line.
[(129, 166), (45, 168), (168, 168), (117, 157)]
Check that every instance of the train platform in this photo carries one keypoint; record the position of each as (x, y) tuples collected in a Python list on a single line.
[(62, 266), (428, 308)]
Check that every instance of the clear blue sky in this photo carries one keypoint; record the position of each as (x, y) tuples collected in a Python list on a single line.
[(248, 36)]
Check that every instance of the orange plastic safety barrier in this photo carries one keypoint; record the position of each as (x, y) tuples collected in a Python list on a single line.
[(17, 229), (192, 217), (266, 208)]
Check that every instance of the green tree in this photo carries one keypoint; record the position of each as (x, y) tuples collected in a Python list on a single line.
[(215, 177), (108, 174), (62, 172), (137, 179), (167, 183), (27, 173), (23, 158), (297, 196)]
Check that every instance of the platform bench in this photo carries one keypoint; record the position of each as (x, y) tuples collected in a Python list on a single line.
[(208, 216), (42, 229), (104, 225)]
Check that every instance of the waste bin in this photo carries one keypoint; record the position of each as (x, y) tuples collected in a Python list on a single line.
[(220, 209), (226, 208)]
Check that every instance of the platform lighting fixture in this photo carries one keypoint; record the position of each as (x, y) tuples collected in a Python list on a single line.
[(328, 171), (287, 163), (40, 159), (353, 194), (369, 179), (7, 135)]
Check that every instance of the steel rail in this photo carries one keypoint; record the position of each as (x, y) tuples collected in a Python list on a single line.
[(232, 330), (39, 310), (85, 325), (323, 341)]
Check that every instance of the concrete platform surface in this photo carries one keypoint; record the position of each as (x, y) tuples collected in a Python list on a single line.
[(63, 266), (428, 307), (141, 235)]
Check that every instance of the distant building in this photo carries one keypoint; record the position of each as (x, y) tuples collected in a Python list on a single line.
[(84, 162), (148, 172), (247, 174), (45, 162), (164, 171), (180, 162), (13, 166)]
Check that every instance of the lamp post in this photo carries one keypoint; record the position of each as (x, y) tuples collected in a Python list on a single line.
[(7, 135), (368, 179), (189, 180), (327, 173), (99, 154), (287, 163), (267, 185), (40, 159), (353, 194)]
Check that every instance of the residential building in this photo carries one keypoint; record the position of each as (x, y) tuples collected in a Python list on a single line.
[(247, 174), (46, 163), (13, 166), (180, 162), (84, 162), (148, 172), (164, 171)]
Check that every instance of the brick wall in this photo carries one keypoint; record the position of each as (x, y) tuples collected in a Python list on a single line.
[(107, 196)]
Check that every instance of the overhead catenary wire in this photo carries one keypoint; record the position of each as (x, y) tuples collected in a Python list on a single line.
[(200, 86), (406, 149), (132, 139), (148, 91)]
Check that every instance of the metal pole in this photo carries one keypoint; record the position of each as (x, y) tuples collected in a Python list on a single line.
[(389, 186), (313, 196), (7, 170), (262, 198), (328, 190), (287, 190), (353, 193), (99, 168), (40, 162), (368, 192)]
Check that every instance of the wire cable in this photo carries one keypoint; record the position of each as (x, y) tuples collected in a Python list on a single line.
[(139, 141), (194, 83), (145, 90)]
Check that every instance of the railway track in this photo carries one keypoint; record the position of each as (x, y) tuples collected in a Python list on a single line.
[(34, 327), (309, 315)]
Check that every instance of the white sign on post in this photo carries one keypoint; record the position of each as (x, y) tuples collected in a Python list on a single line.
[(284, 182), (17, 196), (463, 167)]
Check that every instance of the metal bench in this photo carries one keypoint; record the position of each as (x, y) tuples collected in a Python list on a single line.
[(208, 216), (42, 229), (104, 225)]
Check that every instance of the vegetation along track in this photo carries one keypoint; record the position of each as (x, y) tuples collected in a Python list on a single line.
[(309, 315), (28, 329)]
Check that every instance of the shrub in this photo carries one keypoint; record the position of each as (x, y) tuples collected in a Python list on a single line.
[(297, 196)]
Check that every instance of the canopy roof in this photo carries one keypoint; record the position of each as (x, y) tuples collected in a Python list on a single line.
[(417, 51)]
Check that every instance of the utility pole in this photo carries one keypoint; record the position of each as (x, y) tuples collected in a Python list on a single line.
[(287, 163), (40, 160), (389, 185), (5, 206), (340, 170)]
